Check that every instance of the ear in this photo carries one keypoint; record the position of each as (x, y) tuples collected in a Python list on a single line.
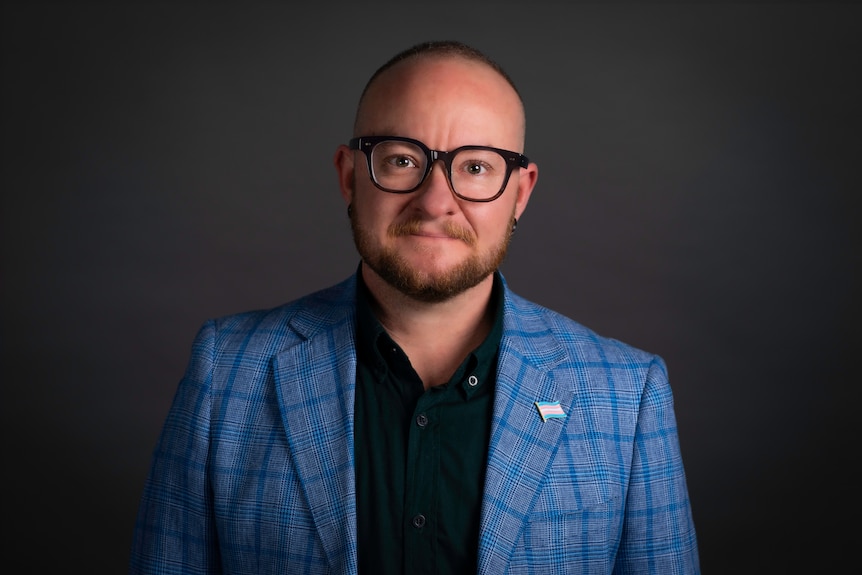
[(527, 181), (344, 160)]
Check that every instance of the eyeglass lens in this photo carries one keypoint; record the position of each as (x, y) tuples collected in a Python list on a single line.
[(401, 166)]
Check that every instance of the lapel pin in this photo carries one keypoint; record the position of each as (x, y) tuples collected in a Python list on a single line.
[(550, 410)]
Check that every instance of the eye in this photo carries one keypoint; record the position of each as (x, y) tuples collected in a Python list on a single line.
[(477, 163), (401, 162), (475, 168), (397, 156)]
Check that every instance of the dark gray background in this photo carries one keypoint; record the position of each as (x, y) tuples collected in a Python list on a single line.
[(166, 163)]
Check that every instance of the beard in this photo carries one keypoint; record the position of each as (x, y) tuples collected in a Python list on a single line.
[(420, 285)]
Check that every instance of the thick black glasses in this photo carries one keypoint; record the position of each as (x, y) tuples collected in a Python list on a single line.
[(400, 165)]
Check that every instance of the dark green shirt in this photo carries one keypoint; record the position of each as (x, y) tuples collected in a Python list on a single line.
[(420, 455)]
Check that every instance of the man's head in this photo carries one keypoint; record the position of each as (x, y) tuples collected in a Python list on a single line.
[(430, 243), (444, 49)]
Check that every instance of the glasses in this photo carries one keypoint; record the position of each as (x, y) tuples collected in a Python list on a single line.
[(400, 165)]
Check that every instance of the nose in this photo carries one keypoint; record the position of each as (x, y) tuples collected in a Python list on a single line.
[(435, 196)]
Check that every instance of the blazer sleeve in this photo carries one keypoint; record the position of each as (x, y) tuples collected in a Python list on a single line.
[(658, 532), (175, 527)]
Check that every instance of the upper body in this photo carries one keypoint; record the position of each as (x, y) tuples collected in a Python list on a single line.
[(256, 470)]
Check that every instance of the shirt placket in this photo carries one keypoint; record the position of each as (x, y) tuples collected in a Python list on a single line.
[(423, 484)]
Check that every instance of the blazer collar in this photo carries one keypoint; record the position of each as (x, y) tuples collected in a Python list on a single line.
[(315, 380), (522, 445)]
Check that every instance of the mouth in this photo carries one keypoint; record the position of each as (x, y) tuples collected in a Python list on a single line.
[(448, 231), (439, 235)]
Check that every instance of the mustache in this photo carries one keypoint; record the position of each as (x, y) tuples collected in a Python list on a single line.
[(451, 230)]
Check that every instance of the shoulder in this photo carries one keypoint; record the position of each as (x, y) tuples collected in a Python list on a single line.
[(576, 353), (298, 319), (533, 322), (602, 371)]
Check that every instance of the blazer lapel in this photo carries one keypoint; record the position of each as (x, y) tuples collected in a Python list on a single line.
[(316, 383), (522, 445)]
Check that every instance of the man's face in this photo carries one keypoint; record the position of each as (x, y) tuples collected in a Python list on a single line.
[(429, 244)]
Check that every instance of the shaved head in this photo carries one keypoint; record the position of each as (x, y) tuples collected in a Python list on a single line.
[(441, 50)]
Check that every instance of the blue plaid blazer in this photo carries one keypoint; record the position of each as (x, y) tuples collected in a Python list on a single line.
[(254, 469)]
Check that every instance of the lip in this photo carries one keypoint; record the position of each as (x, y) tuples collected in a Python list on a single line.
[(434, 235), (432, 232)]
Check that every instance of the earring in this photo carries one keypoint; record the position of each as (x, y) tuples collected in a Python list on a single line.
[(349, 210), (514, 224)]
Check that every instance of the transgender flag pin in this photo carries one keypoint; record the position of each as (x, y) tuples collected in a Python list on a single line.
[(550, 410)]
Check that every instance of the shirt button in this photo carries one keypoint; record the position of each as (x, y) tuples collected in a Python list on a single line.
[(473, 381), (422, 421), (419, 521)]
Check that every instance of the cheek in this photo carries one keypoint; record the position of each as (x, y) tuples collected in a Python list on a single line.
[(374, 211), (491, 221)]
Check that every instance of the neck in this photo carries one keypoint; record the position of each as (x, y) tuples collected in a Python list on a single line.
[(435, 336)]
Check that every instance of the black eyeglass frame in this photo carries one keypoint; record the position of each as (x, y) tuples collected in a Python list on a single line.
[(366, 145)]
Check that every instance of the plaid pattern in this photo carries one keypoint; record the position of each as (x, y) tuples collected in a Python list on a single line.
[(253, 472)]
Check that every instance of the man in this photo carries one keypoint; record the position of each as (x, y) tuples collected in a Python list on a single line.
[(420, 417)]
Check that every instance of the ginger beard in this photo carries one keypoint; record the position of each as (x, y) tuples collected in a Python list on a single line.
[(423, 286)]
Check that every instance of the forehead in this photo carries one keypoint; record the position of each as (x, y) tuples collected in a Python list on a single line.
[(439, 89)]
